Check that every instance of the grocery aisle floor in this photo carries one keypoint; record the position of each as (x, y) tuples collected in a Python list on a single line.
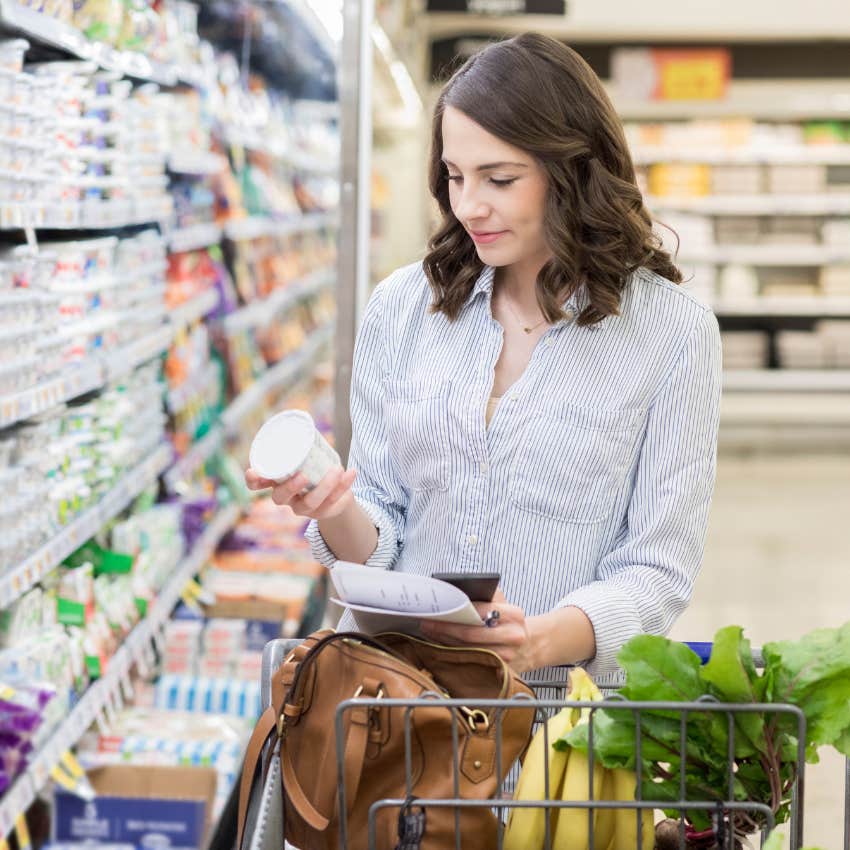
[(776, 563)]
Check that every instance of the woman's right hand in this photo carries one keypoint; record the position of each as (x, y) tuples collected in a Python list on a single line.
[(329, 498)]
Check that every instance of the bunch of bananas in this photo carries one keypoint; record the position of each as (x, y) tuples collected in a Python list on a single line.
[(613, 829)]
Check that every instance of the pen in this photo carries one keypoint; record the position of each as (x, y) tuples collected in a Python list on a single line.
[(492, 619)]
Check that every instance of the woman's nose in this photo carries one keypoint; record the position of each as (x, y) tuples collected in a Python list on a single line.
[(469, 207)]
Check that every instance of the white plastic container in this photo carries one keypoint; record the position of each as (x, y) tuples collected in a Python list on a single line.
[(288, 443)]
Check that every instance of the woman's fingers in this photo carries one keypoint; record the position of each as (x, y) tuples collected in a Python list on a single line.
[(344, 485), (324, 500), (256, 482), (313, 499), (285, 492)]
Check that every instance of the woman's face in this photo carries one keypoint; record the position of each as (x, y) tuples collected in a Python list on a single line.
[(497, 192)]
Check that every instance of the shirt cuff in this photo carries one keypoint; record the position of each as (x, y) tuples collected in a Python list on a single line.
[(386, 552), (614, 618)]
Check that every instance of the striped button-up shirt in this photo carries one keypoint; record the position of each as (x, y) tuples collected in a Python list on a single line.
[(590, 487)]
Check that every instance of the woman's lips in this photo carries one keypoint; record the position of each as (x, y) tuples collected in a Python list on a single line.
[(486, 238)]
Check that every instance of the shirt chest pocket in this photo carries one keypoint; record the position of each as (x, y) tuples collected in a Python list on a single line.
[(570, 462), (417, 431)]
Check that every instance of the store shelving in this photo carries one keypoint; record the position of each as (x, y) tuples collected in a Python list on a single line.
[(256, 227), (838, 154), (766, 255), (98, 371), (43, 29), (48, 557), (196, 162), (816, 306), (787, 380), (275, 379), (195, 458), (92, 215), (179, 397), (194, 309), (821, 204), (194, 238), (107, 690), (263, 310)]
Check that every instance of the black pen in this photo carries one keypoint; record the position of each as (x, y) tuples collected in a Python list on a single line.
[(492, 618)]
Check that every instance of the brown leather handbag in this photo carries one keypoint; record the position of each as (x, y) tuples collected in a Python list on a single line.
[(330, 668)]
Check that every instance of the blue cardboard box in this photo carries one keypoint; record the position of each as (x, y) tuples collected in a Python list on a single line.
[(150, 807)]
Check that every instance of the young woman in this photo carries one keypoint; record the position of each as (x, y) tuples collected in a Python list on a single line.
[(537, 397)]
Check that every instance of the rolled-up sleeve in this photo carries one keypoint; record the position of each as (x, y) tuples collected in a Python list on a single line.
[(646, 581), (377, 488)]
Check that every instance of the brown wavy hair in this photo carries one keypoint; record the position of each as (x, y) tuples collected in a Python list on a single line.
[(539, 95)]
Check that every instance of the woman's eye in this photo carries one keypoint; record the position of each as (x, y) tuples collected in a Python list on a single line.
[(502, 183), (452, 178)]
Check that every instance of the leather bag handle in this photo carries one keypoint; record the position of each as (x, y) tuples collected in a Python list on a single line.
[(264, 729)]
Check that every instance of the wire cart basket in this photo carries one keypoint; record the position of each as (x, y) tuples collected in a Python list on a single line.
[(724, 808)]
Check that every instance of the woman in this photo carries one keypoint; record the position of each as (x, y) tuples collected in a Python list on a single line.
[(538, 397)]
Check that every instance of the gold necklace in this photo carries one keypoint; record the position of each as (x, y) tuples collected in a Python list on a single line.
[(527, 329)]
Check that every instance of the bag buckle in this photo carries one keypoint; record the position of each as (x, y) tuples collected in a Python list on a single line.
[(281, 727), (359, 691), (475, 717)]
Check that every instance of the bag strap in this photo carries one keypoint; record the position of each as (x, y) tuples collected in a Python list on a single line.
[(264, 729), (267, 725)]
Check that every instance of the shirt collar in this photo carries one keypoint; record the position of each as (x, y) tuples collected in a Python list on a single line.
[(484, 284)]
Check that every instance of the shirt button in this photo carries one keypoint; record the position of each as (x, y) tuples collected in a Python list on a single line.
[(513, 396), (483, 468), (569, 314), (472, 539), (547, 342)]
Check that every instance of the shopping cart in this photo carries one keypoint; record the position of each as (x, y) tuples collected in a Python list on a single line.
[(265, 827)]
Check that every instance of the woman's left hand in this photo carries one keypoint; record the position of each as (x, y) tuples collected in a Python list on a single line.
[(509, 637)]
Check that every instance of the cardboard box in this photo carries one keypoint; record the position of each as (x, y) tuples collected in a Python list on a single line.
[(150, 807)]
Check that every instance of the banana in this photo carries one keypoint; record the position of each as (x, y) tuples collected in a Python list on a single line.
[(625, 820), (603, 823), (526, 829), (572, 831)]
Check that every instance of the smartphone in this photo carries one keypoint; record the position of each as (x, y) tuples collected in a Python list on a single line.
[(479, 587)]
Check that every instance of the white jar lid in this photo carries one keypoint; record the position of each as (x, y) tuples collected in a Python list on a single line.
[(282, 444)]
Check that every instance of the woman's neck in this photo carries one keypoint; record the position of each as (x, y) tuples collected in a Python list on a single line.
[(519, 285)]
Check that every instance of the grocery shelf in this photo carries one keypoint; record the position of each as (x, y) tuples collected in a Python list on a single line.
[(195, 458), (133, 354), (768, 100), (766, 204), (179, 397), (43, 29), (194, 309), (256, 227), (767, 255), (107, 691), (787, 380), (816, 306), (77, 381), (196, 162), (98, 371), (277, 376), (21, 578), (194, 238), (93, 215), (816, 154), (263, 310), (83, 377)]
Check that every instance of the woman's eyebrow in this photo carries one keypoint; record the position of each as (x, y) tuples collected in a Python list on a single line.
[(491, 165)]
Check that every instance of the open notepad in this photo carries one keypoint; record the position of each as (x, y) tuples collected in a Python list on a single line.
[(387, 601)]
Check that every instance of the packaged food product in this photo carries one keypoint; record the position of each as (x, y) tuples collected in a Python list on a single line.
[(289, 443)]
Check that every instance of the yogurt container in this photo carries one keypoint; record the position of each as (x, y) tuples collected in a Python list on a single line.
[(289, 443)]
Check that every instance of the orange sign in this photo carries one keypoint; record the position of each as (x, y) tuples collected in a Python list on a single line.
[(692, 74)]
